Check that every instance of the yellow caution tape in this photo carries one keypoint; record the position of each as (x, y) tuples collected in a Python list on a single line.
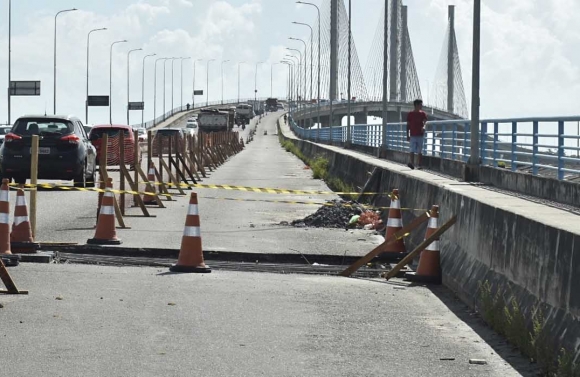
[(131, 192)]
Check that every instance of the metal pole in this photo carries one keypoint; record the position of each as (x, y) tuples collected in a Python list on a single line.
[(87, 97), (348, 127), (54, 68), (193, 97), (165, 86), (474, 158), (111, 80), (9, 56), (256, 85), (181, 86), (155, 90), (207, 82), (143, 91), (172, 88), (450, 66), (128, 81), (385, 73), (224, 61)]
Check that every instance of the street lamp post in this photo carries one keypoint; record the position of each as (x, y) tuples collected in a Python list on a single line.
[(288, 89), (193, 96), (295, 79), (239, 64), (318, 99), (87, 97), (304, 92), (207, 82), (111, 80), (181, 85), (223, 61), (172, 90), (300, 63), (272, 79), (165, 86), (311, 57), (256, 85), (474, 157), (155, 89), (128, 80), (143, 90), (54, 78)]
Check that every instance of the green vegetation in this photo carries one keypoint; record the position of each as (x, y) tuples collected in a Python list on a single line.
[(507, 319), (319, 167)]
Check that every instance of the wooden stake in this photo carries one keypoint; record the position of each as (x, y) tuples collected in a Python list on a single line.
[(379, 249), (7, 280), (121, 168), (33, 182)]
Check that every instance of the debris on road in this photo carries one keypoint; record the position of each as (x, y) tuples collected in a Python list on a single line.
[(477, 361), (342, 214)]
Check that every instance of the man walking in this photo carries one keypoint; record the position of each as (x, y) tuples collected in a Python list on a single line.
[(416, 120)]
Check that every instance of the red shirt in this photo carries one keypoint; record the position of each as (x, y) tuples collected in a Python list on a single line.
[(415, 122)]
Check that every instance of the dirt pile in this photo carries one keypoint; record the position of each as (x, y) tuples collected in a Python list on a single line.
[(341, 214)]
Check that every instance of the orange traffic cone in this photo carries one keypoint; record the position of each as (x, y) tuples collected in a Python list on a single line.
[(106, 233), (429, 268), (191, 254), (5, 218), (21, 239), (150, 199), (394, 224)]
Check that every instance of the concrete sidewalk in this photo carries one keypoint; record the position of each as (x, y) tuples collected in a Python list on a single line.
[(111, 321)]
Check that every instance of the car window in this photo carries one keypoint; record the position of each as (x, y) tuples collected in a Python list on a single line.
[(43, 126), (4, 130), (97, 133), (80, 130)]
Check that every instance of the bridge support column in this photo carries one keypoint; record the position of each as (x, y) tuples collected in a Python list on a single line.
[(333, 49), (395, 32), (450, 65), (361, 118)]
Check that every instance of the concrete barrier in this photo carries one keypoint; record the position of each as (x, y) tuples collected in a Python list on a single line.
[(538, 264)]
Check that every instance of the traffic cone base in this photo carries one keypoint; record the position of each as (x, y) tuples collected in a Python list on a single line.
[(190, 258), (429, 267), (106, 233)]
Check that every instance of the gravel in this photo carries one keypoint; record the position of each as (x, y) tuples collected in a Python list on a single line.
[(335, 214)]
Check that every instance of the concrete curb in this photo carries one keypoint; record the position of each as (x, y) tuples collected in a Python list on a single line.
[(229, 256)]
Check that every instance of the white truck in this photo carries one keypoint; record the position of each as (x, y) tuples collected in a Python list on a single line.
[(213, 121), (244, 113)]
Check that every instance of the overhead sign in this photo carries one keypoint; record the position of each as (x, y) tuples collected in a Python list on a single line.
[(24, 88), (136, 105), (198, 92), (98, 101)]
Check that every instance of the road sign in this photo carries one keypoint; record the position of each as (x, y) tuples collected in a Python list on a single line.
[(98, 100), (24, 88), (198, 92), (136, 105)]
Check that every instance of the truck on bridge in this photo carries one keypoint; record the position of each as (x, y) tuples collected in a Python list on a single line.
[(213, 120), (272, 105), (244, 113)]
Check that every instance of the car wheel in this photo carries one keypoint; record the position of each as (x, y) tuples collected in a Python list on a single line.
[(91, 181), (81, 179)]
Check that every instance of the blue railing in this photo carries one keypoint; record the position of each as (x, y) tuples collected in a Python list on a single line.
[(542, 146)]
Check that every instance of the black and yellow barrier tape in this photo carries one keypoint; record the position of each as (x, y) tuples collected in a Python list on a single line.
[(51, 186)]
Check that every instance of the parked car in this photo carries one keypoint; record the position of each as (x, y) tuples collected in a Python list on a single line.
[(113, 151), (3, 131), (163, 136), (142, 135), (64, 152)]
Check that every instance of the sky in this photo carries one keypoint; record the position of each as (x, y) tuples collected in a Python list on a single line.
[(527, 67)]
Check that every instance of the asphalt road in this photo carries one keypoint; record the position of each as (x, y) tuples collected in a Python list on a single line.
[(112, 321), (69, 216)]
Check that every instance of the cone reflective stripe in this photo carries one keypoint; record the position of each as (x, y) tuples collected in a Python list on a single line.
[(5, 218), (21, 239), (394, 224), (191, 253), (106, 234), (150, 199), (429, 268)]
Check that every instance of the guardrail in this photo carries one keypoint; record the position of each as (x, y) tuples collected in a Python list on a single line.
[(180, 109), (538, 144)]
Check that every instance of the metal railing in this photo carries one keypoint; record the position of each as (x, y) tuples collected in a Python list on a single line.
[(542, 146), (181, 109)]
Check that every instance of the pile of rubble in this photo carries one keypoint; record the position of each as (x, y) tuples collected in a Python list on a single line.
[(342, 214)]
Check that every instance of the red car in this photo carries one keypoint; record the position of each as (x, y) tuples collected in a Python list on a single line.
[(113, 150)]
